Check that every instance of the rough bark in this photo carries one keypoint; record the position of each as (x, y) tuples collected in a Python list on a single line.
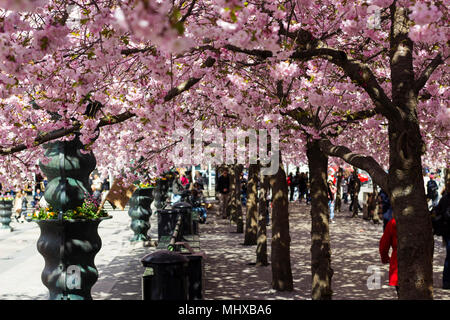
[(280, 254), (376, 205), (251, 221), (404, 183), (414, 231), (356, 194), (338, 188), (237, 199), (261, 243), (232, 205), (320, 234), (407, 192)]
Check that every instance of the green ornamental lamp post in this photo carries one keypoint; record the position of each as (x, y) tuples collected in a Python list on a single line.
[(69, 239)]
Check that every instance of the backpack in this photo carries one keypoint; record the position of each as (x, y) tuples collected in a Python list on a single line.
[(432, 189)]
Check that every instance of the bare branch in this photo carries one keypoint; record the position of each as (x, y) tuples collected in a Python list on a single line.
[(423, 78)]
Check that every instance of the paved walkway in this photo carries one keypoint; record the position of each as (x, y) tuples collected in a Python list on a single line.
[(229, 266)]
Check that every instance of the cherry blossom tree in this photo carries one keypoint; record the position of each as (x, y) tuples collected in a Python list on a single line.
[(126, 74)]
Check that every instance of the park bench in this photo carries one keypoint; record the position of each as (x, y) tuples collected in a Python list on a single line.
[(176, 234), (182, 236)]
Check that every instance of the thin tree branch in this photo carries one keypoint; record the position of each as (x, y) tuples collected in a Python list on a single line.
[(423, 78)]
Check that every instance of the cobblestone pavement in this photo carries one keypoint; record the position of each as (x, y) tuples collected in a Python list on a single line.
[(230, 272)]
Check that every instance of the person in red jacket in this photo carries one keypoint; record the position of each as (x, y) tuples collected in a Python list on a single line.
[(388, 240)]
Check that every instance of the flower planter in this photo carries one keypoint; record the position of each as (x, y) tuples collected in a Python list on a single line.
[(69, 248), (5, 214), (140, 213)]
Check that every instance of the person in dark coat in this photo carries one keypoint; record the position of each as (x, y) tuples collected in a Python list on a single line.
[(354, 185), (177, 188), (36, 198), (442, 211), (386, 208), (302, 186), (223, 188)]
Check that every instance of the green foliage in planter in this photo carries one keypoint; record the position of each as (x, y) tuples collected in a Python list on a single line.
[(88, 210)]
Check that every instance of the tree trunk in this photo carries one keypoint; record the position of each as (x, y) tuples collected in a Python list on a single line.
[(447, 176), (407, 191), (356, 193), (407, 194), (237, 198), (320, 236), (232, 205), (280, 254), (251, 221), (337, 207), (376, 205), (261, 243)]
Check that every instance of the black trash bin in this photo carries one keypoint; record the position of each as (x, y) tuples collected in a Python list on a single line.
[(165, 277), (186, 210), (167, 219), (195, 275)]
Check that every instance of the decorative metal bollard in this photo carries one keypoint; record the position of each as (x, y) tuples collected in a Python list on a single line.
[(140, 213), (5, 214)]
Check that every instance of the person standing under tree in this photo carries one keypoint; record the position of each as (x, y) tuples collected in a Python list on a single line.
[(223, 187), (290, 186), (17, 207), (354, 186), (302, 187), (432, 191), (36, 198), (295, 184), (389, 240), (331, 199), (441, 227)]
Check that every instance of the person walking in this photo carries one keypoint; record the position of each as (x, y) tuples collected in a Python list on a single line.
[(223, 187), (177, 189), (308, 189), (97, 188), (199, 180), (331, 199), (441, 227), (36, 198), (17, 207), (344, 185), (243, 183), (302, 187), (354, 186), (290, 186), (389, 240), (295, 184), (24, 206), (432, 191), (386, 208)]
